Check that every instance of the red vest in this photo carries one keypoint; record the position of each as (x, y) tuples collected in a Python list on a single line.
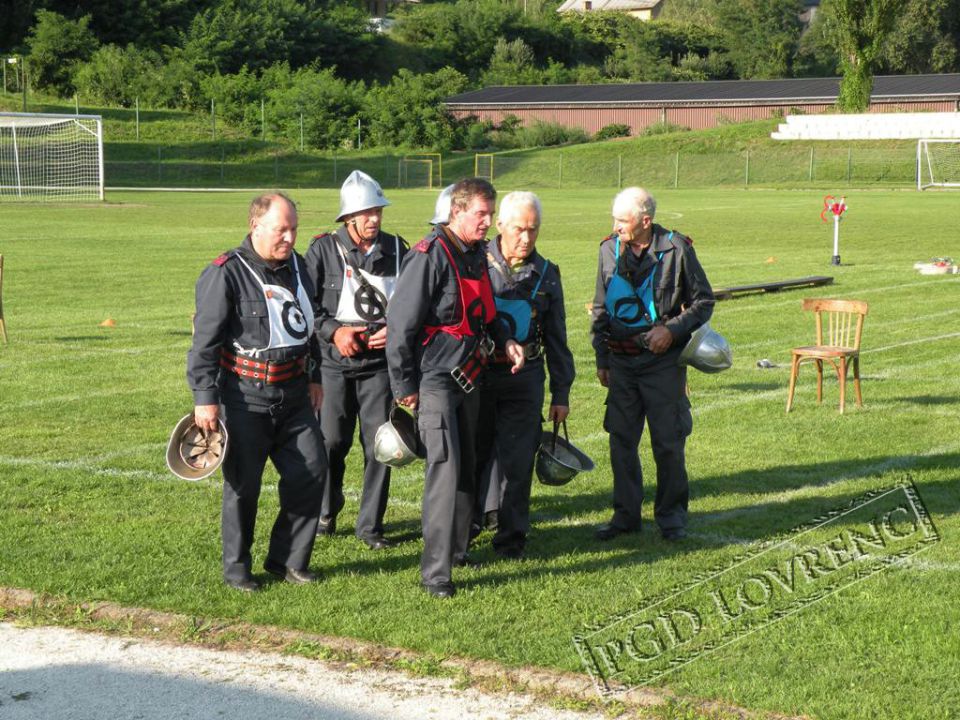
[(476, 304)]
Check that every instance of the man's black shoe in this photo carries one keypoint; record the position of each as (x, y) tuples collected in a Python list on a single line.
[(246, 585), (327, 526), (441, 590), (296, 577), (608, 531), (491, 520), (674, 534), (475, 530), (377, 542), (511, 552), (465, 561)]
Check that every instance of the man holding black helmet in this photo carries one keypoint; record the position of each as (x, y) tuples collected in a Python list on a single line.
[(354, 270)]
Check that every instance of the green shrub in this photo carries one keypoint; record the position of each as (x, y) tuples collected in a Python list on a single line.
[(613, 130)]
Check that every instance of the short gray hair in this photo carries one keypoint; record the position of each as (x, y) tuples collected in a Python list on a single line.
[(634, 201), (518, 200)]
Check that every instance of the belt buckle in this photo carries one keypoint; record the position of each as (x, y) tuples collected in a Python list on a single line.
[(533, 351), (465, 383)]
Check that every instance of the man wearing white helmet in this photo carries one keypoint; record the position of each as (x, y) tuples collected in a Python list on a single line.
[(651, 294), (354, 270)]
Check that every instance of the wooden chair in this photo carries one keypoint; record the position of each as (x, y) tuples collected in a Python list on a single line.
[(839, 327), (3, 323)]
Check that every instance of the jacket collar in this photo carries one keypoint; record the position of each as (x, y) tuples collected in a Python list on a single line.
[(253, 257)]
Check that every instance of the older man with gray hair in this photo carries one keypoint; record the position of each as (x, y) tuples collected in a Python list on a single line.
[(651, 294), (529, 301)]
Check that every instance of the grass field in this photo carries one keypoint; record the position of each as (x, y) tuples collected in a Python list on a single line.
[(89, 511)]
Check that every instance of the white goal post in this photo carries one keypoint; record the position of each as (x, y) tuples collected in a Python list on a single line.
[(938, 163), (51, 157)]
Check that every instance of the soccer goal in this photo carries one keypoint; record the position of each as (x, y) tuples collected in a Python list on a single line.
[(938, 163), (51, 157), (415, 173), (436, 166), (483, 166)]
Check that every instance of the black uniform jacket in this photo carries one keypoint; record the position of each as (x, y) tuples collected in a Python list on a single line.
[(681, 291), (231, 307), (427, 294), (550, 318), (325, 267)]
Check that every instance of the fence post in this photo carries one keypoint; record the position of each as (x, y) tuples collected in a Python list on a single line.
[(746, 172), (619, 171), (301, 132), (810, 173), (263, 123), (222, 153), (138, 117), (849, 163), (159, 166), (676, 170), (560, 178), (276, 166), (334, 168), (213, 120), (76, 103)]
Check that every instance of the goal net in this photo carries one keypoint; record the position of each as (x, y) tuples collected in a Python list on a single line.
[(938, 163), (415, 173), (51, 157)]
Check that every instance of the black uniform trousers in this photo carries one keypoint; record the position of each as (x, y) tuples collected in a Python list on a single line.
[(290, 437), (652, 388), (344, 398), (509, 435), (447, 421)]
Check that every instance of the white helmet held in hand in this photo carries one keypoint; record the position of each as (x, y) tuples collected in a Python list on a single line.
[(360, 192)]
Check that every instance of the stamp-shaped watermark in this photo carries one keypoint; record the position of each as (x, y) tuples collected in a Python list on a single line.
[(774, 579)]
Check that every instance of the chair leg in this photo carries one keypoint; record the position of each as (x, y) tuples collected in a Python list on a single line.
[(819, 381), (842, 377), (856, 380), (794, 371)]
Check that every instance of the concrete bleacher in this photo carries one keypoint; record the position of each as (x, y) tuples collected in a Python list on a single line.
[(870, 126)]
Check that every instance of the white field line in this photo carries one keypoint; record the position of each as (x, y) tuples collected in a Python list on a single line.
[(916, 341), (93, 467), (65, 399)]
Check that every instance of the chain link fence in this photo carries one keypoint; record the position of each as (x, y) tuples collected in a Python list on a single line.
[(211, 167)]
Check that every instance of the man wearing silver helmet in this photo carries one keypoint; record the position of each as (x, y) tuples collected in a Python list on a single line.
[(651, 294), (354, 270)]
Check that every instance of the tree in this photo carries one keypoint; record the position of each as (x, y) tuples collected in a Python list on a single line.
[(56, 45), (860, 31), (762, 36), (512, 63), (925, 38), (409, 111)]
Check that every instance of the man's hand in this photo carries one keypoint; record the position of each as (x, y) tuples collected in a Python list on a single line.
[(514, 351), (378, 340), (207, 417), (603, 375), (316, 396), (558, 413), (659, 339), (346, 341), (410, 401)]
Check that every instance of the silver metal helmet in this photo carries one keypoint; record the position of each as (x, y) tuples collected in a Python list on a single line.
[(360, 192), (193, 454), (558, 460), (441, 213), (397, 441), (707, 351)]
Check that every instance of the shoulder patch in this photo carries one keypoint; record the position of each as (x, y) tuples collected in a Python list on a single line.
[(424, 244), (220, 261), (611, 236), (319, 237), (688, 240)]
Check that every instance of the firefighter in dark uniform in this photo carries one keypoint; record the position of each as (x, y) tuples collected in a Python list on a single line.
[(354, 271), (440, 329), (529, 300), (252, 361), (651, 294)]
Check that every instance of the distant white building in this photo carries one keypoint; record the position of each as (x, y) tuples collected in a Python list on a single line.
[(642, 9)]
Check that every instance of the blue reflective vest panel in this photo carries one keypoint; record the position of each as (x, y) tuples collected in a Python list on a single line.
[(517, 314), (632, 307)]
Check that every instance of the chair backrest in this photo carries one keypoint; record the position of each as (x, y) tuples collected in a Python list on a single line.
[(839, 322)]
